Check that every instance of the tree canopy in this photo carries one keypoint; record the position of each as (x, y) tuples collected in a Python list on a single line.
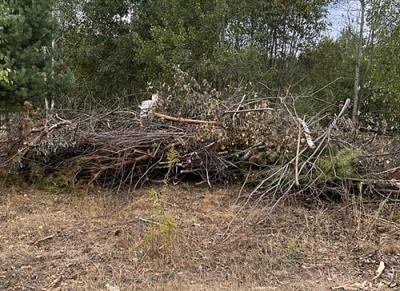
[(26, 68), (113, 50)]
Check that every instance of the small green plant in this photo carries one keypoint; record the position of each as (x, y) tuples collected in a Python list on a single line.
[(54, 182), (292, 250), (172, 159), (154, 198), (339, 165), (159, 237), (172, 155)]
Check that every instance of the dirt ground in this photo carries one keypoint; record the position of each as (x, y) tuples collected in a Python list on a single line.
[(174, 238)]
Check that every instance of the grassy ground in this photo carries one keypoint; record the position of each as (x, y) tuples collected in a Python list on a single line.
[(171, 239)]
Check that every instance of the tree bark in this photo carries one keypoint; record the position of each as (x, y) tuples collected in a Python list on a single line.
[(185, 120), (358, 65)]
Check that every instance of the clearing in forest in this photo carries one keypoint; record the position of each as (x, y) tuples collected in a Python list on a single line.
[(171, 238)]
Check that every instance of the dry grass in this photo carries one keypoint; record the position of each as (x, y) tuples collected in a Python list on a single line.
[(84, 241)]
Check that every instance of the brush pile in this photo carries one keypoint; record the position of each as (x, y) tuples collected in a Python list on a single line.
[(197, 134)]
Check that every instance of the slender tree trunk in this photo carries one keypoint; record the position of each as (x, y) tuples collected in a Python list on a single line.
[(358, 65)]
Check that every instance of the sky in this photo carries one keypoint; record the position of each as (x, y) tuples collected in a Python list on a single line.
[(342, 14)]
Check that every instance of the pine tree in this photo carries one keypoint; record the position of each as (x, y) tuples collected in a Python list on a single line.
[(26, 32)]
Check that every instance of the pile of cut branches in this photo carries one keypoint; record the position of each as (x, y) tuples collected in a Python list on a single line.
[(240, 138)]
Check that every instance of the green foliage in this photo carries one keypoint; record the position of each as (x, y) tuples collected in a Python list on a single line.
[(339, 165), (4, 76), (292, 250), (385, 79), (26, 69), (226, 41), (116, 48), (96, 43), (125, 44), (172, 159), (172, 156), (158, 238), (178, 32), (329, 64), (40, 180)]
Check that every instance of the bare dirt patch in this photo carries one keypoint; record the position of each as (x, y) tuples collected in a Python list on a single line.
[(98, 241)]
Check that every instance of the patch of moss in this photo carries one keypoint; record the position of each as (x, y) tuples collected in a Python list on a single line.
[(340, 165)]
